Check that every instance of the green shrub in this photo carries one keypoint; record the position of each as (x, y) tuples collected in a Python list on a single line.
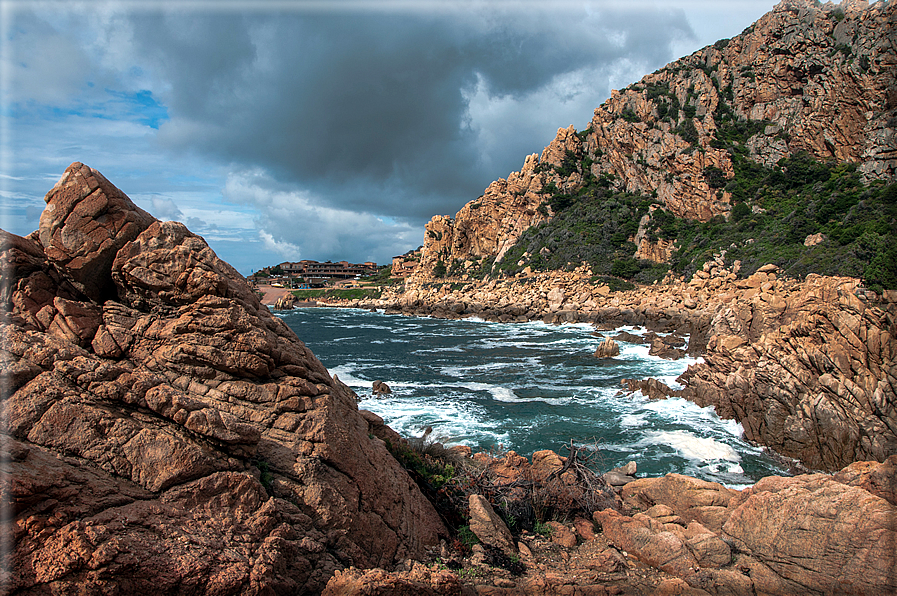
[(439, 270), (629, 116), (715, 177), (740, 211), (467, 537), (351, 294), (687, 131)]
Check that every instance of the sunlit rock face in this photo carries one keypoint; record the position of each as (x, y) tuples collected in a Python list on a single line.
[(166, 432), (820, 75)]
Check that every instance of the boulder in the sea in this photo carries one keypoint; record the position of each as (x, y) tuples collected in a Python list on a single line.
[(630, 338), (381, 388), (607, 349)]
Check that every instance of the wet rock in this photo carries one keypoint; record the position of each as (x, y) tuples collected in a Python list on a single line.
[(630, 338)]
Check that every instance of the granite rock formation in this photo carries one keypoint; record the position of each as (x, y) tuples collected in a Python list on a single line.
[(820, 76), (811, 373), (810, 534), (166, 433)]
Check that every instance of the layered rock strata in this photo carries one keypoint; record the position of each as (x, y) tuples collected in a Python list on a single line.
[(821, 78), (166, 433)]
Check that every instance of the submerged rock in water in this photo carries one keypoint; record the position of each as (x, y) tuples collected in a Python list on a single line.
[(167, 431)]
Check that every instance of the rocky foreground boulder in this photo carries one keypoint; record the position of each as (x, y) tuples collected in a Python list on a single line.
[(167, 434), (812, 534)]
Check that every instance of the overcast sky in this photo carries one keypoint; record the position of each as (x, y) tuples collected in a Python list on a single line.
[(327, 130)]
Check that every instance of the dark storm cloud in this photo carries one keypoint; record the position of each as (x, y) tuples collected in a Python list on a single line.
[(315, 129), (370, 111)]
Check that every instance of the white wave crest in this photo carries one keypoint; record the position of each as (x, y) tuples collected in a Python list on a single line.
[(691, 446)]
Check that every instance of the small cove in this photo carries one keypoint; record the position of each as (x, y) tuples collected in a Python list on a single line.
[(526, 386)]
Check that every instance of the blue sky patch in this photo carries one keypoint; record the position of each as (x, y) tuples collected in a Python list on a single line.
[(141, 106)]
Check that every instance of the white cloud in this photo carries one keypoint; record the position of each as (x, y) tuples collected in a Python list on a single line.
[(294, 223), (287, 250), (165, 209)]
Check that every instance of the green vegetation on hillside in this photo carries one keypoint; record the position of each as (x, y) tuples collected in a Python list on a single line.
[(352, 294), (592, 224), (774, 210)]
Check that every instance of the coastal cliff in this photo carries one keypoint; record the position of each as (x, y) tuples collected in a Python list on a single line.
[(167, 434), (748, 190), (805, 79)]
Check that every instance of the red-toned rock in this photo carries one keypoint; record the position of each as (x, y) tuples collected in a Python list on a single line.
[(561, 534), (373, 582), (768, 72), (811, 380), (169, 434), (816, 533), (584, 528), (661, 549), (607, 349), (488, 526), (86, 222), (880, 479), (688, 498)]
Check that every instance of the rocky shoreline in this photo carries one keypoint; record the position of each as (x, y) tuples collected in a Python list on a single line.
[(792, 361), (167, 434), (811, 534)]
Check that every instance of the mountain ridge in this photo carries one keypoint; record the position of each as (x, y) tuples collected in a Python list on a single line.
[(805, 78)]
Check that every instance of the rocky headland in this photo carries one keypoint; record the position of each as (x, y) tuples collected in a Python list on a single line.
[(167, 434), (164, 433), (806, 77)]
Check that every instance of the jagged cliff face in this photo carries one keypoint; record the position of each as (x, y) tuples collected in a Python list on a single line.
[(166, 433), (820, 77)]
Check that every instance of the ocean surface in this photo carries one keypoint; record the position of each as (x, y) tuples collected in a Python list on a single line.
[(526, 387)]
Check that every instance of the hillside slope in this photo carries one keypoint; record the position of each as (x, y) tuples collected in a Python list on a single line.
[(697, 138)]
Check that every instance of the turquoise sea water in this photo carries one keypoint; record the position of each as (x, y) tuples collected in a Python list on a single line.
[(526, 386)]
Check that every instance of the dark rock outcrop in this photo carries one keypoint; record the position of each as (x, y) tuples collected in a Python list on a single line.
[(167, 433)]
